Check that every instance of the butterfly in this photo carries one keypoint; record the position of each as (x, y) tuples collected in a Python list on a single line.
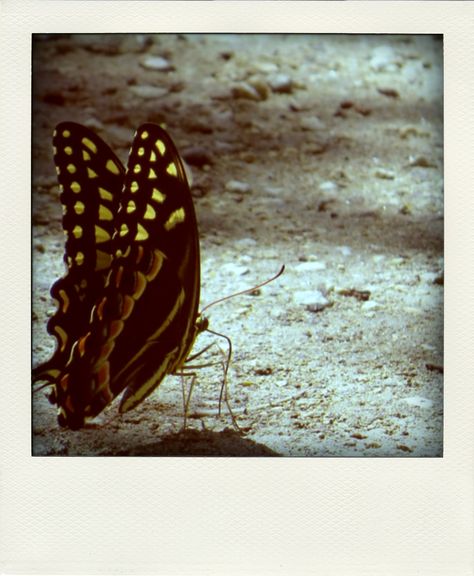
[(128, 304)]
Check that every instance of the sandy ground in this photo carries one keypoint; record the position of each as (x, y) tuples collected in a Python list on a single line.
[(323, 153)]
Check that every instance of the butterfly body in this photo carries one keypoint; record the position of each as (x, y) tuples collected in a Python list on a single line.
[(128, 303)]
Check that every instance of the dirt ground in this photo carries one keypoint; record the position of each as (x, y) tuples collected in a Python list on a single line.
[(323, 153)]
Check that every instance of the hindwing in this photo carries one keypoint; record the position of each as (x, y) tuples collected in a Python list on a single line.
[(140, 321), (90, 178)]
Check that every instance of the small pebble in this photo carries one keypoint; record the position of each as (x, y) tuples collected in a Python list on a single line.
[(237, 187), (345, 250), (370, 305), (327, 186), (156, 63), (148, 92), (246, 91), (385, 59), (310, 266), (309, 297), (385, 174), (261, 87), (312, 123), (422, 162), (418, 401), (389, 92), (266, 67), (281, 84)]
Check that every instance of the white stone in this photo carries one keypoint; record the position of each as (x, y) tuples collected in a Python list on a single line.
[(310, 266), (419, 402), (310, 298), (148, 92), (237, 186), (156, 63)]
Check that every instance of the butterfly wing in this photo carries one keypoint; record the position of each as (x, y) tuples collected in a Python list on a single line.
[(91, 179), (167, 257), (144, 323)]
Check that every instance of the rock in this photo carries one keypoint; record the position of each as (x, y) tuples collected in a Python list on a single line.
[(313, 300), (156, 63), (345, 250), (389, 92), (418, 401), (384, 174), (266, 67), (237, 187), (384, 58), (312, 123), (246, 91), (422, 162), (370, 305), (327, 186), (310, 267), (281, 84), (148, 92)]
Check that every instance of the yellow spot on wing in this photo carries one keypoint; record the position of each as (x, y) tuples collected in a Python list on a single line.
[(71, 168), (91, 173), (176, 217), (101, 235), (152, 174), (124, 230), (75, 187), (85, 155), (105, 213), (112, 167), (127, 306), (67, 150), (171, 169), (140, 285), (119, 276), (77, 231), (131, 207), (82, 344), (105, 194), (150, 213), (89, 144), (142, 234), (156, 265), (62, 335), (134, 187), (65, 301), (103, 260), (79, 258), (137, 169), (141, 151), (161, 146), (66, 133), (152, 156), (79, 207), (144, 135), (158, 196), (116, 326)]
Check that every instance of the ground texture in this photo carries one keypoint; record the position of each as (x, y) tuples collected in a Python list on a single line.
[(323, 153)]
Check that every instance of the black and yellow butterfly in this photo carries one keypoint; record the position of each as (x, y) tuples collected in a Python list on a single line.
[(128, 304)]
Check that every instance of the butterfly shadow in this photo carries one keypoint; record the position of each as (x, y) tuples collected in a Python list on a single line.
[(199, 443)]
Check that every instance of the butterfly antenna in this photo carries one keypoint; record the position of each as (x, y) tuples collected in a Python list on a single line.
[(246, 291)]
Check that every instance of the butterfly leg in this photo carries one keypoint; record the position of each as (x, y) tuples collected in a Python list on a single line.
[(187, 395)]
